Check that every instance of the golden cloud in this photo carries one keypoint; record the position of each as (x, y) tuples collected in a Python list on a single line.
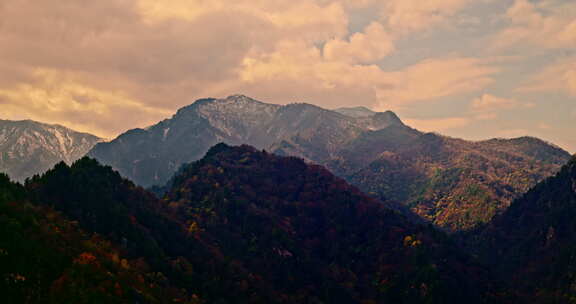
[(56, 97)]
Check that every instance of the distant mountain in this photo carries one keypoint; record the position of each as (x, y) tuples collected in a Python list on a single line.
[(245, 226), (28, 147), (456, 184), (151, 156), (532, 244)]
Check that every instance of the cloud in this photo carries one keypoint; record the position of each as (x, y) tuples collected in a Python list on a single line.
[(308, 20), (296, 69), (406, 16), (549, 24), (436, 78), (488, 106), (371, 45), (305, 68), (556, 77), (132, 62), (488, 102), (56, 97), (438, 125)]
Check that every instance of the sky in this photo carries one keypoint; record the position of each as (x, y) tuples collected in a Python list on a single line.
[(474, 69)]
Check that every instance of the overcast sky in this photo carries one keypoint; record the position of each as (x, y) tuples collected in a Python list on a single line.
[(474, 69)]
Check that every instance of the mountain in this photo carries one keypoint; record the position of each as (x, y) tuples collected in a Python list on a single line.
[(28, 147), (453, 183), (151, 156), (246, 226), (531, 245)]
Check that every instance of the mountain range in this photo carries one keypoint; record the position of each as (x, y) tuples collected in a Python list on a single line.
[(28, 147), (453, 183)]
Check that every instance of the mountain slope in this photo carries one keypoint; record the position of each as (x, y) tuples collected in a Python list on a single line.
[(29, 147), (532, 243)]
